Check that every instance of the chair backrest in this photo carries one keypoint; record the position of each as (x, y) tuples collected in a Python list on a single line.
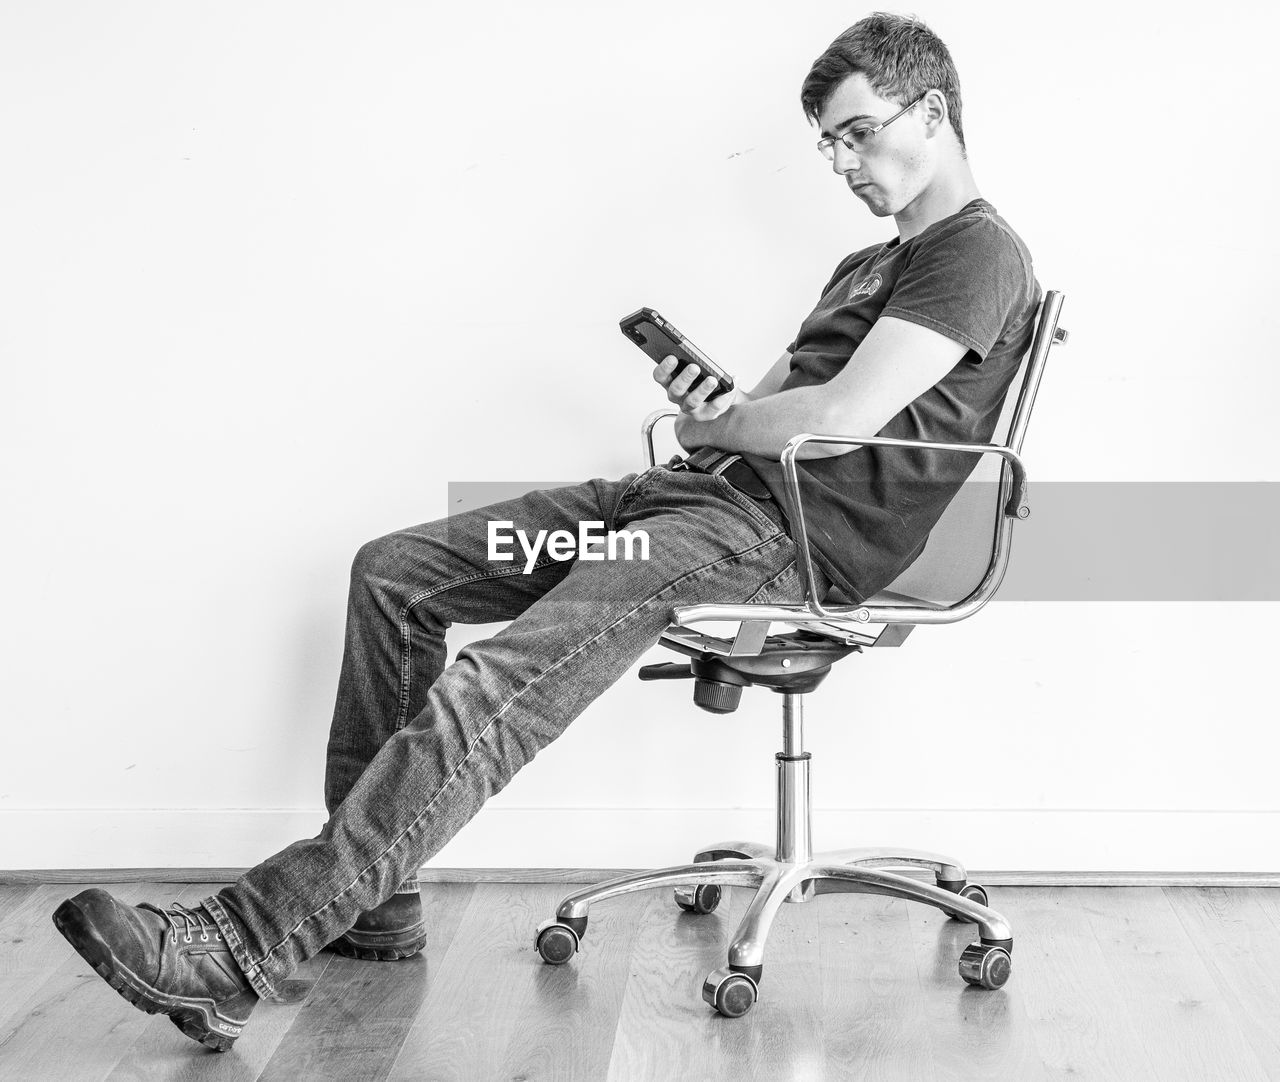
[(960, 547)]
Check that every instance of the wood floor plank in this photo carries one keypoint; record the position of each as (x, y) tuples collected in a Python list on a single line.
[(29, 943), (1240, 946), (356, 1020), (973, 1033), (1268, 901), (472, 986), (491, 1007), (1184, 1021), (780, 1037), (1076, 1007), (875, 1015), (71, 1025), (11, 898), (566, 1032), (665, 1029)]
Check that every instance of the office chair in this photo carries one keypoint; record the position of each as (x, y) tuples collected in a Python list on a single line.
[(794, 663)]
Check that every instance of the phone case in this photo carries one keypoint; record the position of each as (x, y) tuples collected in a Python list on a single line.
[(658, 339)]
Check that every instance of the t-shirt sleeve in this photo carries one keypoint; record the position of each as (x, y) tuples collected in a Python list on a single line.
[(964, 284)]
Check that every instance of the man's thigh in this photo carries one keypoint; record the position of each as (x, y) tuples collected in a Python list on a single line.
[(472, 566), (687, 538), (509, 695)]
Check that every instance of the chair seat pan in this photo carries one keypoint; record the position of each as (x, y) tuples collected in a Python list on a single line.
[(836, 596)]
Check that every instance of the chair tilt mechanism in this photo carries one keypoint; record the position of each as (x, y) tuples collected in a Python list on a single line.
[(797, 662), (793, 664)]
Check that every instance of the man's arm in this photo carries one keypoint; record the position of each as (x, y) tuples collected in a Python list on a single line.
[(896, 363), (773, 379)]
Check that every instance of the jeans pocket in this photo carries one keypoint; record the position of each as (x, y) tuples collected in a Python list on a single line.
[(639, 483), (748, 504)]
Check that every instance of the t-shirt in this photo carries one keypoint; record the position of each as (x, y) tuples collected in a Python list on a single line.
[(968, 276)]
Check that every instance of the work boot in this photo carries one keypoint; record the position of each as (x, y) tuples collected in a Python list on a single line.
[(392, 930), (163, 961)]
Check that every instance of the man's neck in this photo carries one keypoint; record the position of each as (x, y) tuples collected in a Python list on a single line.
[(948, 192)]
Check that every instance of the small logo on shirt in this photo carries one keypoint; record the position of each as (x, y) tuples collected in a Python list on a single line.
[(865, 288)]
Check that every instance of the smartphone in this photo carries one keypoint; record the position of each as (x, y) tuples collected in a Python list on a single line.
[(659, 339)]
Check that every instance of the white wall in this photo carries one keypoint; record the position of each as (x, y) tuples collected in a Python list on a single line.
[(275, 273)]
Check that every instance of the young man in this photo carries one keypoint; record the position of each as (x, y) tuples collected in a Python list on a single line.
[(918, 337)]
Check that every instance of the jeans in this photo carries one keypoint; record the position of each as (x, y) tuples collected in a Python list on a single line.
[(416, 748)]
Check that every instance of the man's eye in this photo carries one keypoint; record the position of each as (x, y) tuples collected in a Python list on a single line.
[(859, 134)]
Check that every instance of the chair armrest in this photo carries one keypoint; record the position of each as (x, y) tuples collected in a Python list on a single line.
[(1015, 507), (853, 619), (646, 431)]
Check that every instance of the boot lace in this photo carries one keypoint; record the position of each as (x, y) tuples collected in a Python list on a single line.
[(193, 920)]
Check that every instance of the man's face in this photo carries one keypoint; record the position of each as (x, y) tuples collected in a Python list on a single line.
[(896, 163)]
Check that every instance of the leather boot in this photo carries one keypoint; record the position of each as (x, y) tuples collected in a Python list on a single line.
[(164, 961), (391, 931)]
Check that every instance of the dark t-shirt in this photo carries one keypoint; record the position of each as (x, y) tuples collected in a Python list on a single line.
[(967, 276)]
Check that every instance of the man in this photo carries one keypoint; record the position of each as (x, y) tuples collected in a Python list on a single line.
[(918, 337)]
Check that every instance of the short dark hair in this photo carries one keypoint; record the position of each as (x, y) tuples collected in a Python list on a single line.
[(900, 57)]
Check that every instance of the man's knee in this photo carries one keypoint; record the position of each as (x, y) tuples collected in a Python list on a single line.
[(379, 564), (395, 568)]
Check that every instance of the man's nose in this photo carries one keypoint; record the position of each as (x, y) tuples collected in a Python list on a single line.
[(843, 160)]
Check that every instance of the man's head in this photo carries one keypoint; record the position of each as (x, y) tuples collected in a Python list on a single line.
[(880, 66)]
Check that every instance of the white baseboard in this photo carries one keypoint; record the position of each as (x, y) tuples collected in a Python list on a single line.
[(509, 837)]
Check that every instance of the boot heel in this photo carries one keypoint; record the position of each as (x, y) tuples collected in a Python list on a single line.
[(218, 1027)]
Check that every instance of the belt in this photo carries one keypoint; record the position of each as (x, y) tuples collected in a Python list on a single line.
[(732, 467)]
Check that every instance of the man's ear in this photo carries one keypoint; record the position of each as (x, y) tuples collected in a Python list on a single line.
[(934, 108)]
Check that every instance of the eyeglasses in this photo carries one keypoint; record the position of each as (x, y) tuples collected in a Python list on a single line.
[(856, 139)]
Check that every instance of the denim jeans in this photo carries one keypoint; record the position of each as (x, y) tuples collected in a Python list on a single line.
[(416, 748)]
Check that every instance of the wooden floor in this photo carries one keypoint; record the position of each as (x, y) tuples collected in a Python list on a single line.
[(1108, 983)]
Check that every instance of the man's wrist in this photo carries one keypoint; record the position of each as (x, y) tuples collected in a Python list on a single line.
[(704, 431), (692, 433), (718, 432)]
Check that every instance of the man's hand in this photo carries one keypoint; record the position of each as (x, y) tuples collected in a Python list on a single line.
[(690, 393)]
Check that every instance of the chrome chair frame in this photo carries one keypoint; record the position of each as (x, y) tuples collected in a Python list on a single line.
[(789, 871)]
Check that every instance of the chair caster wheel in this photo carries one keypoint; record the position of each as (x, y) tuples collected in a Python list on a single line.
[(973, 892), (700, 899), (556, 942), (985, 965), (730, 993)]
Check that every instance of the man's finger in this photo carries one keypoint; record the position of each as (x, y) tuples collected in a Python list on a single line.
[(703, 389), (685, 380), (663, 372)]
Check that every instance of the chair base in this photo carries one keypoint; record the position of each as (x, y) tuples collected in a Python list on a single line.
[(788, 871), (843, 871)]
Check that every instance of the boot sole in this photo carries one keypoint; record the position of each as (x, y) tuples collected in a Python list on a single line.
[(381, 946), (199, 1019)]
